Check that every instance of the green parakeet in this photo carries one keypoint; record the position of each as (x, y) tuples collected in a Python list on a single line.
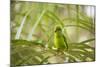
[(59, 39)]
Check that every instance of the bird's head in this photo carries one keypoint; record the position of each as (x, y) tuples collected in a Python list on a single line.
[(58, 29)]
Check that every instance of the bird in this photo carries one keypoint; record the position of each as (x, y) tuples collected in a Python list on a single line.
[(60, 42)]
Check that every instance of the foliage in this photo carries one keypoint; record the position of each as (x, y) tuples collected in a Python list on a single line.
[(32, 32)]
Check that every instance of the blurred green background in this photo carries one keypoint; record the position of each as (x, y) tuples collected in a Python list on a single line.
[(32, 32)]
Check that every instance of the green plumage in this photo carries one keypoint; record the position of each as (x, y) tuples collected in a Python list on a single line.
[(59, 39)]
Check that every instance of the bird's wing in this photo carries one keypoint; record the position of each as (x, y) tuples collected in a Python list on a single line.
[(65, 41)]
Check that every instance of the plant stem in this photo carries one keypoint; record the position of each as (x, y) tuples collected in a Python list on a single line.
[(17, 36), (35, 25)]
